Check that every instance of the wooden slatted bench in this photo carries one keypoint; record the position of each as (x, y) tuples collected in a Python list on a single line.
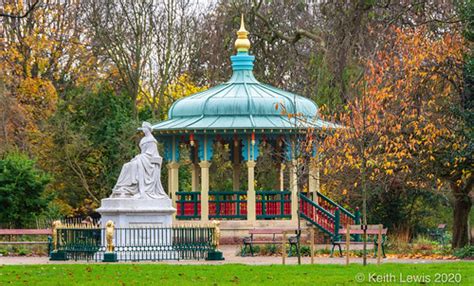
[(18, 232), (250, 241), (372, 230)]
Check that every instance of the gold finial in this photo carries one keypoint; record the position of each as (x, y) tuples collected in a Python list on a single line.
[(242, 44)]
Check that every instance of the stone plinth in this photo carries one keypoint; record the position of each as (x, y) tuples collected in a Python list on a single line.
[(137, 212)]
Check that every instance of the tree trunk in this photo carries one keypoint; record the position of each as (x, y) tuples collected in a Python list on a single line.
[(462, 208), (364, 205)]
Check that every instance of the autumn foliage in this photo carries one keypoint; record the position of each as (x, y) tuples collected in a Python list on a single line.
[(400, 118), (77, 77)]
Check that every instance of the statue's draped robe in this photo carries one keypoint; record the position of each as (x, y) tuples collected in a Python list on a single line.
[(141, 176)]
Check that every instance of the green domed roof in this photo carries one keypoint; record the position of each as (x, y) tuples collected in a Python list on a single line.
[(242, 103)]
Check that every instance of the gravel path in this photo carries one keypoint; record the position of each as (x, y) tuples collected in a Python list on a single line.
[(230, 257)]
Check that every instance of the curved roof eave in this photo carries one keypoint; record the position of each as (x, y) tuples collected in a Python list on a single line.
[(200, 123)]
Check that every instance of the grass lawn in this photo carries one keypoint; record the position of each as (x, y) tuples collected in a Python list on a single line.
[(234, 274)]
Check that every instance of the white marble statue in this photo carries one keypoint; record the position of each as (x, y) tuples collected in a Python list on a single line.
[(140, 178)]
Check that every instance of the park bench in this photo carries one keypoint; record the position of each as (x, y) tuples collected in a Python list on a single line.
[(20, 232), (372, 230), (250, 241)]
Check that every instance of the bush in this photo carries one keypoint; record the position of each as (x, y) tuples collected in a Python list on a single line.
[(23, 252), (4, 252), (323, 251), (423, 243), (421, 246), (467, 252), (22, 187), (269, 249), (305, 250), (360, 253), (256, 249)]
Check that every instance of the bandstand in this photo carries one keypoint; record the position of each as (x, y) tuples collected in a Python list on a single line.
[(242, 113)]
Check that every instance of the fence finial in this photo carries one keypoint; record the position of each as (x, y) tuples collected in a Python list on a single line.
[(109, 235)]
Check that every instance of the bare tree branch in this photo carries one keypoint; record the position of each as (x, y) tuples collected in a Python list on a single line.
[(30, 9), (298, 34)]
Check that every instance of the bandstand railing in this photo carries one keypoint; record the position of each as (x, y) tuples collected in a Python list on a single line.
[(188, 205), (233, 205), (273, 204), (318, 216), (331, 206), (228, 204)]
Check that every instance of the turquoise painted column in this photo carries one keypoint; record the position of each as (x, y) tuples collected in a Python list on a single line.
[(195, 169), (236, 166)]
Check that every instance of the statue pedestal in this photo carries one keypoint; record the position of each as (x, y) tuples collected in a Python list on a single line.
[(137, 213), (143, 223)]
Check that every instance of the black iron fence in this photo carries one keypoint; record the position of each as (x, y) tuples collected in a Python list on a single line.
[(137, 244)]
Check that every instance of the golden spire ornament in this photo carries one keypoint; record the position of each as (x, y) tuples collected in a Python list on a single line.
[(242, 44)]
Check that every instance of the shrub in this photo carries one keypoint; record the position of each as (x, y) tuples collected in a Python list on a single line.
[(256, 249), (270, 249), (3, 252), (323, 251), (23, 252), (22, 187), (305, 250), (424, 244), (465, 252), (360, 253)]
